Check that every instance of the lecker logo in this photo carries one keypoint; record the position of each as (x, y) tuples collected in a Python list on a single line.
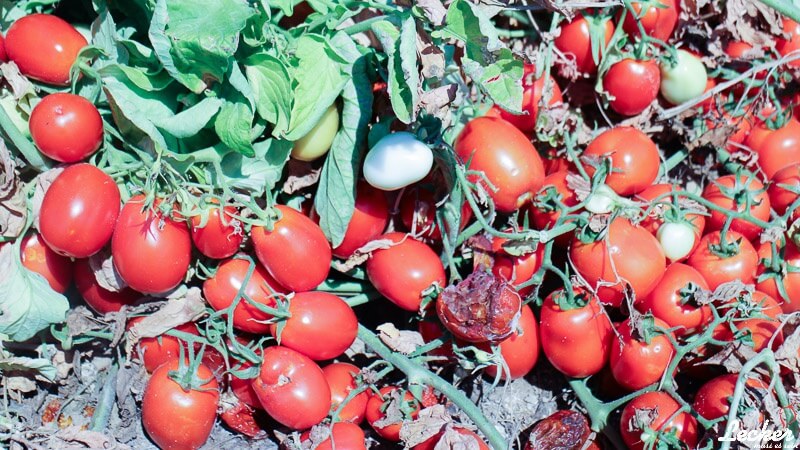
[(768, 438)]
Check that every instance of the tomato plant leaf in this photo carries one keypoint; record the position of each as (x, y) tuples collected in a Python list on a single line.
[(27, 302), (260, 173), (468, 24), (403, 83), (189, 122), (272, 90), (501, 80), (233, 126), (42, 366)]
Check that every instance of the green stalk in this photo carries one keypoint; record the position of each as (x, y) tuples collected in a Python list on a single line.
[(21, 143)]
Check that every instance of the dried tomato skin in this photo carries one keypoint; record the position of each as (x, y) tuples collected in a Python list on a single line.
[(481, 308), (562, 430)]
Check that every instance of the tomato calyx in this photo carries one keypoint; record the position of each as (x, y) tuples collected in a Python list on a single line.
[(569, 300), (726, 248), (689, 294), (187, 374), (644, 328)]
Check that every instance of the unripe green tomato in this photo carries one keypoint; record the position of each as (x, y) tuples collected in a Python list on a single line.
[(683, 81), (318, 141)]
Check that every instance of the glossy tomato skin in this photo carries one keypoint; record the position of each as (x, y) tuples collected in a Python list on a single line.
[(633, 84), (37, 257), (658, 19), (717, 269), (79, 211), (634, 159), (155, 351), (370, 216), (666, 302), (432, 443), (510, 164), (402, 272), (713, 398), (763, 326), (66, 127), (739, 186), (345, 436), (56, 45), (518, 269), (777, 149), (374, 413), (532, 96), (576, 341), (176, 419), (299, 403), (788, 274), (99, 299), (221, 289), (221, 237), (653, 223), (151, 258), (786, 46), (780, 190), (627, 255), (636, 363), (683, 425), (575, 40), (520, 350), (296, 252), (3, 54), (322, 326), (341, 378)]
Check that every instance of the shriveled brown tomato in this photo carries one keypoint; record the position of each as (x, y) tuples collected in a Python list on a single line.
[(216, 236), (663, 417), (370, 216), (672, 300), (99, 299), (738, 194), (342, 380), (658, 18), (296, 252), (639, 361), (520, 351), (718, 265), (633, 84), (634, 159), (564, 430), (575, 41), (37, 257), (453, 437)]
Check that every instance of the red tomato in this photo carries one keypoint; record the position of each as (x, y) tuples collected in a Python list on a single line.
[(79, 211), (633, 84), (671, 302), (683, 425), (369, 219), (634, 159), (737, 49), (718, 269), (761, 330), (577, 341), (777, 149), (658, 19), (545, 214), (653, 222), (532, 97), (218, 238), (178, 419), (56, 44), (713, 399), (432, 330), (3, 54), (511, 165), (402, 272), (220, 291), (518, 269), (575, 40), (296, 252), (155, 351), (341, 378), (292, 388), (99, 299), (375, 408), (242, 388), (786, 46), (637, 363), (729, 192), (784, 188), (66, 127), (345, 436), (627, 255), (322, 326), (521, 350), (786, 272), (37, 257), (434, 442), (151, 252)]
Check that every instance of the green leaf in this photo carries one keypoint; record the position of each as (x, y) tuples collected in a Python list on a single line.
[(260, 173), (335, 199), (27, 302), (139, 77), (233, 126), (22, 364), (468, 24), (401, 47), (189, 122), (500, 80), (272, 90)]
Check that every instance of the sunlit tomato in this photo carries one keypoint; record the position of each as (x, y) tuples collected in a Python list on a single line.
[(518, 269), (672, 299), (375, 412), (292, 388), (402, 272), (655, 219), (57, 45), (785, 188), (763, 327), (627, 255), (782, 266), (639, 361), (533, 95), (317, 142), (3, 54), (370, 216), (221, 290), (296, 252), (418, 213), (713, 400), (396, 161), (737, 49), (432, 330), (341, 378), (664, 407), (242, 388), (322, 326), (632, 84), (511, 164), (215, 236), (777, 149), (634, 159), (99, 299), (66, 127), (344, 436), (658, 18), (575, 338), (786, 46), (685, 80), (547, 205), (521, 350), (175, 418), (575, 41), (79, 211), (38, 257), (155, 351), (738, 194), (151, 251), (436, 441), (718, 268)]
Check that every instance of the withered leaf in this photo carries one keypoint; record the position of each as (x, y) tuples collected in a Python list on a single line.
[(105, 273), (429, 422), (403, 341), (43, 182), (173, 313), (13, 211)]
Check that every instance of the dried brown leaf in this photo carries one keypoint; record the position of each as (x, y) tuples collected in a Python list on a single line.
[(361, 255), (429, 422), (173, 313), (453, 440), (403, 341), (301, 175), (13, 211), (433, 10), (20, 85), (105, 273), (43, 182), (437, 101), (75, 437)]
